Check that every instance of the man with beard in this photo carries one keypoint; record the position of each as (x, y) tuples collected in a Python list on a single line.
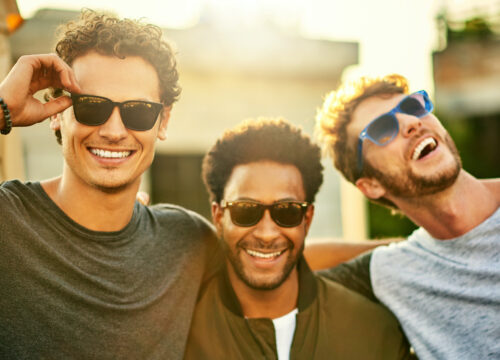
[(86, 271), (262, 178), (443, 283)]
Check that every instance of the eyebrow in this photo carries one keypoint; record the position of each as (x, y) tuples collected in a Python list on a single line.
[(275, 201)]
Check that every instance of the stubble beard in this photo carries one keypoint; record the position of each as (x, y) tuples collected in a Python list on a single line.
[(411, 185), (250, 281)]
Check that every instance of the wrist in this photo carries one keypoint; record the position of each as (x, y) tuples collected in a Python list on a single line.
[(5, 113)]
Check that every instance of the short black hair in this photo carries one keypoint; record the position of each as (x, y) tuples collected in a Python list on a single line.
[(262, 139)]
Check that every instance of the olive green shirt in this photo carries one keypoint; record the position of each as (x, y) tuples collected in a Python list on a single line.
[(333, 323)]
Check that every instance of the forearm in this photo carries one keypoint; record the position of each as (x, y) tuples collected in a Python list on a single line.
[(326, 254)]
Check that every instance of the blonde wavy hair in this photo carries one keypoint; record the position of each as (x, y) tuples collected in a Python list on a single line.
[(335, 115)]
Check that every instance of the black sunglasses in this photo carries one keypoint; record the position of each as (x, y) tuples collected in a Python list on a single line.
[(95, 110), (247, 213)]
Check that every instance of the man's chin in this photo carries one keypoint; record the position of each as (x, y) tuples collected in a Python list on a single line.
[(111, 188), (265, 284), (438, 182)]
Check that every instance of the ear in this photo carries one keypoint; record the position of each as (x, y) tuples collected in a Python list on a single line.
[(370, 187), (217, 214), (55, 122), (308, 217), (164, 117)]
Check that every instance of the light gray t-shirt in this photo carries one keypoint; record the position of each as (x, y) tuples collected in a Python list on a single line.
[(445, 293)]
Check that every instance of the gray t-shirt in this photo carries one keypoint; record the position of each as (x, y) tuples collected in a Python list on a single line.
[(445, 293), (70, 293)]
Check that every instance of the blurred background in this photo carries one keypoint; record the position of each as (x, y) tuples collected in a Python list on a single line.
[(242, 59)]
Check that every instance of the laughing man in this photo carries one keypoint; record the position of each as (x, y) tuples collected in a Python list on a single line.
[(443, 283)]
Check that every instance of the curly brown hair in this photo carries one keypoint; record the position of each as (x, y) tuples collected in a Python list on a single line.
[(335, 116), (111, 36), (262, 139)]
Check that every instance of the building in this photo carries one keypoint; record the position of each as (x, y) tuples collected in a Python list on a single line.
[(227, 75)]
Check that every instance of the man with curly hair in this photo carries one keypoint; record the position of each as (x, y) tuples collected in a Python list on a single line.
[(443, 283), (262, 177), (86, 271)]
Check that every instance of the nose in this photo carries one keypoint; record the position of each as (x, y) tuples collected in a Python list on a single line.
[(266, 229), (408, 124), (113, 129)]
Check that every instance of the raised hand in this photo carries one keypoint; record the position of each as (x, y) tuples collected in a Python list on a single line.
[(30, 74)]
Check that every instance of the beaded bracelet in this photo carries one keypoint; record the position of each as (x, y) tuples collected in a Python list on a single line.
[(6, 116)]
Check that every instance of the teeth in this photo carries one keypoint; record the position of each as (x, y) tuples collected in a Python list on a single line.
[(110, 154), (262, 255), (421, 146)]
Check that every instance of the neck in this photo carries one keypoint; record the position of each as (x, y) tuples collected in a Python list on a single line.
[(269, 304), (453, 211), (92, 207)]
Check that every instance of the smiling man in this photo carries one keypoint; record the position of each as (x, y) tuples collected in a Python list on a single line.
[(266, 303), (86, 271), (442, 284)]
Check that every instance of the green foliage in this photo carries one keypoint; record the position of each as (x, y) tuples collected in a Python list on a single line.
[(473, 29), (385, 224)]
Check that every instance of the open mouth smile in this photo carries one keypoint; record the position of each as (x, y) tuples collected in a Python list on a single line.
[(425, 147), (108, 154), (262, 255)]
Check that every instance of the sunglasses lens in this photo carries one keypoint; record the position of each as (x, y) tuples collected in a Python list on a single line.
[(383, 129), (91, 110), (245, 213), (139, 115), (414, 105), (287, 214)]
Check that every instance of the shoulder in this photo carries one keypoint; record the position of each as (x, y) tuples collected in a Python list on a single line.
[(208, 301), (209, 315), (387, 259), (354, 275), (181, 216), (400, 248), (183, 227), (360, 317), (14, 187), (16, 193), (349, 302)]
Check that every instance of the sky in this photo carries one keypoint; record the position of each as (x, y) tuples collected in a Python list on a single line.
[(393, 35)]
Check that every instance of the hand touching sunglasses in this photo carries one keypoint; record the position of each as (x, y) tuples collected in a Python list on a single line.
[(248, 213), (95, 110)]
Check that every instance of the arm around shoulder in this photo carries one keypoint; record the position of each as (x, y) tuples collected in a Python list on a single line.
[(326, 254), (354, 275)]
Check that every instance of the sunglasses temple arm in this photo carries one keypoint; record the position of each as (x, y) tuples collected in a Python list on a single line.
[(360, 156)]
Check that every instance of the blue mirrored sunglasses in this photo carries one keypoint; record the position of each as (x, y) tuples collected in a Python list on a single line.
[(383, 129)]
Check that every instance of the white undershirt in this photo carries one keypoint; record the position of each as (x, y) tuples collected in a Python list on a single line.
[(285, 328)]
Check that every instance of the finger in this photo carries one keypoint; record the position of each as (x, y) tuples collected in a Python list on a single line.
[(53, 71), (55, 106), (67, 79)]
